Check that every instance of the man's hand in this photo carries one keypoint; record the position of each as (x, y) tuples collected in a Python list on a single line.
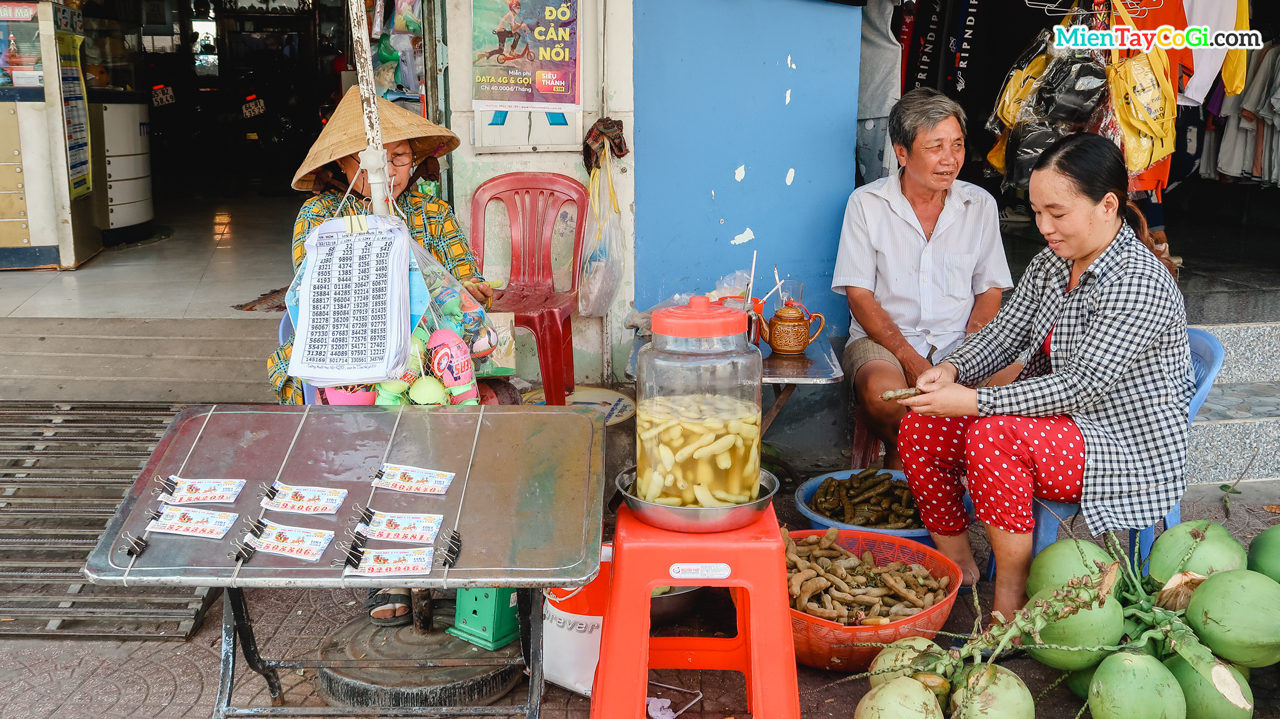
[(482, 291), (949, 400), (914, 367), (934, 378)]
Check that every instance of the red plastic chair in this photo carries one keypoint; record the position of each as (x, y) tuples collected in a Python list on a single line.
[(534, 201)]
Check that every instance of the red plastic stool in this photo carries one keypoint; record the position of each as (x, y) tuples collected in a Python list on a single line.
[(751, 561)]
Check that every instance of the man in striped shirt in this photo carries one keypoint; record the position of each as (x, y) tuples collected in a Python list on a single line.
[(920, 261)]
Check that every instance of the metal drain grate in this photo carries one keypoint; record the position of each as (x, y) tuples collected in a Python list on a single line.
[(64, 467)]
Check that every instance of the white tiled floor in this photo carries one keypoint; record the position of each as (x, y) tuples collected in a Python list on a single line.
[(222, 253)]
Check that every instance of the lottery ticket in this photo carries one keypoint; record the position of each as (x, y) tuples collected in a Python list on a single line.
[(391, 562), (297, 542), (409, 528), (193, 522), (305, 500), (196, 491), (413, 479)]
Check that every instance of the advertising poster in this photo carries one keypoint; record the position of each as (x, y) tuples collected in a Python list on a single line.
[(526, 55), (75, 112)]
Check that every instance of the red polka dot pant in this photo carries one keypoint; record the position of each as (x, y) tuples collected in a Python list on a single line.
[(1008, 461)]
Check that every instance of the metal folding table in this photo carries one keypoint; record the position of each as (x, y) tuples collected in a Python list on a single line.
[(818, 365), (526, 501)]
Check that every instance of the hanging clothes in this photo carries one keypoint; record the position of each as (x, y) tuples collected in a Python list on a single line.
[(1216, 15), (1267, 168), (1238, 131), (1236, 62)]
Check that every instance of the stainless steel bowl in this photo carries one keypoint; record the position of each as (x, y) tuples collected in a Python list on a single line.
[(698, 520), (672, 606)]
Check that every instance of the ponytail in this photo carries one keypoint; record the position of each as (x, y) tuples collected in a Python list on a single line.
[(1131, 214)]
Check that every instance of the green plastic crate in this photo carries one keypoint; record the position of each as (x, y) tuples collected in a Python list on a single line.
[(486, 617)]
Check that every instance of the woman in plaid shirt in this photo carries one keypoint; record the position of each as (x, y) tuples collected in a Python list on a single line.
[(1099, 414)]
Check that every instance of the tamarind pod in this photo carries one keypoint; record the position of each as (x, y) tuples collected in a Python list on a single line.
[(799, 563), (868, 560), (865, 600), (804, 550), (849, 512), (811, 539), (901, 588), (887, 477), (799, 578), (877, 518), (910, 612), (842, 613), (824, 563), (890, 567), (929, 600), (840, 596), (838, 570), (858, 579), (820, 612), (874, 621), (810, 588), (829, 538), (716, 447), (875, 490), (827, 603), (864, 474), (825, 553), (835, 581), (787, 541), (876, 610), (877, 591), (888, 525)]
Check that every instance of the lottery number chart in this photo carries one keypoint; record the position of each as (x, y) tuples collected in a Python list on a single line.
[(353, 310)]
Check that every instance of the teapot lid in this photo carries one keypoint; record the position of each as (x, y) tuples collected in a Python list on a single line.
[(699, 318)]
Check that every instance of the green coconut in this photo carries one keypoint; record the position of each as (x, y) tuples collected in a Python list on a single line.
[(1217, 552), (1131, 685), (1237, 615), (1092, 627), (1204, 700), (899, 654), (1078, 682), (995, 693), (902, 698), (1264, 553), (1064, 560), (428, 390)]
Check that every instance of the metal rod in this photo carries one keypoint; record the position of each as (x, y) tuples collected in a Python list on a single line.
[(491, 711), (383, 663), (249, 645)]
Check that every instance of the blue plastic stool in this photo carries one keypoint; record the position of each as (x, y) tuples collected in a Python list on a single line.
[(286, 329), (1207, 355)]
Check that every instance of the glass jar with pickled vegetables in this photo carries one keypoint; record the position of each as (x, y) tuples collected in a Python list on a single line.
[(698, 409)]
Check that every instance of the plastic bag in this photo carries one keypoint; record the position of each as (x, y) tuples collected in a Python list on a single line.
[(605, 245), (451, 307), (1026, 142), (1018, 84), (1071, 88)]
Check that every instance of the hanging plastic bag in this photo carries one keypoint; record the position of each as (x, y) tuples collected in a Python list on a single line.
[(1019, 83), (1027, 142), (1144, 103), (604, 244), (1071, 88)]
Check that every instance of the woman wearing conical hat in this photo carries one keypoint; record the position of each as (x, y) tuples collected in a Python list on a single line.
[(410, 141)]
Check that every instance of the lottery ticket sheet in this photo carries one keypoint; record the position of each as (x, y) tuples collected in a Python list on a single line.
[(392, 562), (193, 522), (407, 528), (402, 478), (304, 500), (299, 542), (353, 311), (202, 491)]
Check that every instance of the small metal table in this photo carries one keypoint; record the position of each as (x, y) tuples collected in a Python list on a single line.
[(818, 365), (527, 500)]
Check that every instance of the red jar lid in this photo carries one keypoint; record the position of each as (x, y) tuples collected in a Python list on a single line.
[(699, 318)]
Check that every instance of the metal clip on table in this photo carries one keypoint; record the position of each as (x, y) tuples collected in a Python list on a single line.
[(818, 365), (526, 498)]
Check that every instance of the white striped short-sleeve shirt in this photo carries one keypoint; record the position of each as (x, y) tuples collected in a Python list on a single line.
[(927, 287)]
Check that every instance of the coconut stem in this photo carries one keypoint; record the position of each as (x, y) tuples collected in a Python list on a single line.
[(1050, 688)]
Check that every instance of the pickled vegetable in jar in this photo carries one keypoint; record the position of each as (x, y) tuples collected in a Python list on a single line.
[(698, 409)]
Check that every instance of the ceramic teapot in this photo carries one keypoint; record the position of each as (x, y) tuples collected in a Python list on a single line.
[(788, 332)]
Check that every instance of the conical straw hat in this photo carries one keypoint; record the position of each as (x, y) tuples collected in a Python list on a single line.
[(344, 135)]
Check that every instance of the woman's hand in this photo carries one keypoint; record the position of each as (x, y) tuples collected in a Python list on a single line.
[(482, 291), (935, 377), (947, 400)]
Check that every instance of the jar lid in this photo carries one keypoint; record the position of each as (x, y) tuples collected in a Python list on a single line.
[(699, 318)]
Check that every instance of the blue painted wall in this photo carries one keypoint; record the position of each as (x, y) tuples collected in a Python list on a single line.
[(711, 82)]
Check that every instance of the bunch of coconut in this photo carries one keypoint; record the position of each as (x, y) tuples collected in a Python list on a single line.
[(902, 688), (1180, 643)]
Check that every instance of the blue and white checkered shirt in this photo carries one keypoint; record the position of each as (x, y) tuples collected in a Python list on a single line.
[(1120, 368)]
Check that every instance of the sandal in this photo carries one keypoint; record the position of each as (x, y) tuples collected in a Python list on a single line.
[(381, 599)]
